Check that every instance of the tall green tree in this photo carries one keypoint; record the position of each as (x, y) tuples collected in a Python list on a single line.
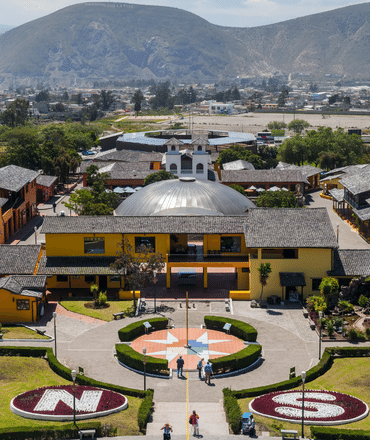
[(16, 114), (137, 99), (94, 200), (162, 96), (264, 270), (328, 287), (276, 125), (277, 199), (298, 125), (237, 152), (137, 265), (158, 176), (22, 147), (106, 99)]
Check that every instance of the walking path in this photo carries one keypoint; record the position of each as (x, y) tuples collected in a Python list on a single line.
[(284, 333)]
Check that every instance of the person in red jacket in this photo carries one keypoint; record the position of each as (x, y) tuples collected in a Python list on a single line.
[(194, 420)]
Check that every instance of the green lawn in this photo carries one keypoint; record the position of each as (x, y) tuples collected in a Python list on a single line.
[(348, 375), (20, 374), (20, 333), (78, 306)]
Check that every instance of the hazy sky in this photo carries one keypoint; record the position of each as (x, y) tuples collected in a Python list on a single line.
[(240, 13)]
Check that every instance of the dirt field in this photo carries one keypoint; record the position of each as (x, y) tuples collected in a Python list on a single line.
[(254, 122)]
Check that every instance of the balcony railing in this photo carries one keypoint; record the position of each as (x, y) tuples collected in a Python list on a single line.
[(211, 257)]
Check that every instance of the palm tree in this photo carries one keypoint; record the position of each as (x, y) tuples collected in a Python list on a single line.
[(264, 270)]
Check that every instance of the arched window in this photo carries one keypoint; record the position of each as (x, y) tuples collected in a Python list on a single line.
[(199, 148), (173, 168), (173, 148), (200, 168)]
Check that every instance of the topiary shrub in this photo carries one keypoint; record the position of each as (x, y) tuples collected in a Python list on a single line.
[(237, 361), (133, 359), (232, 410), (324, 433), (136, 329), (239, 329)]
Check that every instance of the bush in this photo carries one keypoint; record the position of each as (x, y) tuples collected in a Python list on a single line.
[(324, 433), (136, 329), (145, 410), (352, 334), (239, 329), (367, 332), (237, 361), (316, 371), (330, 328), (346, 306), (338, 322), (133, 359), (232, 409), (102, 298), (66, 431), (23, 351), (363, 301)]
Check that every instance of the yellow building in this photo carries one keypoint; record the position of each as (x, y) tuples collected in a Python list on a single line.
[(21, 298), (298, 243)]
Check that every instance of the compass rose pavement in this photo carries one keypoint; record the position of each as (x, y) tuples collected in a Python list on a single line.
[(170, 344)]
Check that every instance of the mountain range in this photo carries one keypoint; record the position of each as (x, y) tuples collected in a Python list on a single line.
[(90, 42)]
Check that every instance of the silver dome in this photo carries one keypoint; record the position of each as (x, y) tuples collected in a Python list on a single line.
[(185, 196)]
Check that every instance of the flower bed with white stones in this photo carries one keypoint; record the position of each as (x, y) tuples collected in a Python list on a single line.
[(320, 407), (56, 403)]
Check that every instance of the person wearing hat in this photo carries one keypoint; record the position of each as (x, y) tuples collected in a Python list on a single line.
[(180, 365), (167, 429)]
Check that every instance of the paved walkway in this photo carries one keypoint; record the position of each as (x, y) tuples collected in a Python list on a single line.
[(284, 334)]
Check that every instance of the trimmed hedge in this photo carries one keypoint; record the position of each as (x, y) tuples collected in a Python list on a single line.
[(133, 359), (136, 329), (324, 433), (239, 329), (323, 366), (67, 431), (236, 361), (65, 372), (145, 410), (23, 351), (232, 409)]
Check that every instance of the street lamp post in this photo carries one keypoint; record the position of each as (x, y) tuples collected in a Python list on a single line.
[(74, 374), (55, 333), (144, 353), (155, 290), (320, 318), (303, 376)]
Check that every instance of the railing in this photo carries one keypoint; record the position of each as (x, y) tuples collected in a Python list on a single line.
[(186, 171), (215, 258)]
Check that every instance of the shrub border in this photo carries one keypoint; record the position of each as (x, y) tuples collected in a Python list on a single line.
[(136, 329), (43, 352)]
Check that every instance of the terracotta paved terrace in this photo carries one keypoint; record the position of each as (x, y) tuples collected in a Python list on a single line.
[(170, 344)]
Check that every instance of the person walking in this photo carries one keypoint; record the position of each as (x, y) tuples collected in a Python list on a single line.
[(200, 367), (194, 421), (167, 429), (208, 372), (180, 365)]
